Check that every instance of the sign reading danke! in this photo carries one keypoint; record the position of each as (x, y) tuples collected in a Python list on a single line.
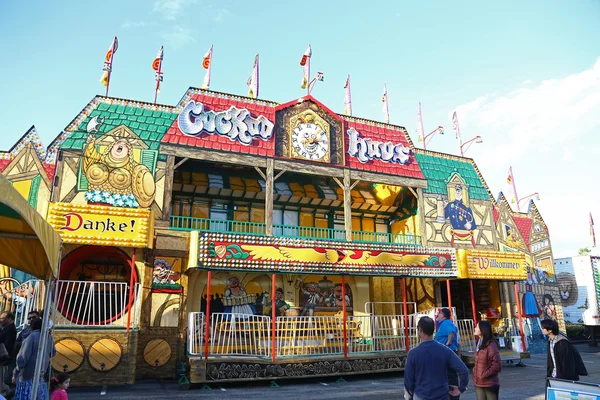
[(366, 149), (101, 225), (234, 123)]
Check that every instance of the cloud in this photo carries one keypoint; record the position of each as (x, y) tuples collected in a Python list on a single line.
[(171, 9), (133, 24), (547, 132), (178, 36)]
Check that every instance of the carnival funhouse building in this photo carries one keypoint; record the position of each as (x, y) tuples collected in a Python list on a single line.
[(247, 239)]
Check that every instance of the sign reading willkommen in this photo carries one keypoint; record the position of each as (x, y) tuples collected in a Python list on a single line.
[(102, 225), (477, 264)]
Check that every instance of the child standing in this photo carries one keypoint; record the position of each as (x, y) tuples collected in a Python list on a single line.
[(58, 387)]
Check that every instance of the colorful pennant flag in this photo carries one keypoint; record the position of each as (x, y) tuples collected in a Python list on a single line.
[(207, 64), (512, 189), (348, 97), (384, 100), (420, 129), (157, 66), (108, 59), (253, 80), (592, 233), (305, 63), (455, 124)]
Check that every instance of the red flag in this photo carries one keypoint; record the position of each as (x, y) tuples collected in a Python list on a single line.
[(592, 233)]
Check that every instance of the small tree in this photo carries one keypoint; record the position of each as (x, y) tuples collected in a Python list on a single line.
[(585, 251)]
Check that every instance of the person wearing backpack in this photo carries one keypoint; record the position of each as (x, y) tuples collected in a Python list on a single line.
[(564, 361)]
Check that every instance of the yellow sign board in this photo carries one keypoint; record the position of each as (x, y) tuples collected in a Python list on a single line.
[(102, 225), (476, 264)]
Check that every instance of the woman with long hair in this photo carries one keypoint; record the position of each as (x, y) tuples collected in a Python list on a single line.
[(487, 363)]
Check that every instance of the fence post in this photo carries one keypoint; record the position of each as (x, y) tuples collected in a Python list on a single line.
[(207, 330), (344, 318), (273, 317), (405, 306), (130, 302)]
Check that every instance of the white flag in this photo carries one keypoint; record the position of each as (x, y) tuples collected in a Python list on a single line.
[(207, 65), (455, 124), (348, 97), (420, 130), (253, 80), (305, 62), (384, 99)]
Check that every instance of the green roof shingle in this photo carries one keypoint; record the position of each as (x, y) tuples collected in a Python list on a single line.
[(438, 170), (149, 125)]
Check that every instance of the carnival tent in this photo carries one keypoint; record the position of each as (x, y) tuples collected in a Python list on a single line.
[(27, 241), (30, 244)]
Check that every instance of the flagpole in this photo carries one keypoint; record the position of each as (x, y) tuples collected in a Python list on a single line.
[(460, 143), (108, 79), (514, 187), (158, 74), (422, 127), (308, 70), (257, 75)]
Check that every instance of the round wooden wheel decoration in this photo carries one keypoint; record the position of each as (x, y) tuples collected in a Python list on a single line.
[(104, 355), (69, 355), (157, 352)]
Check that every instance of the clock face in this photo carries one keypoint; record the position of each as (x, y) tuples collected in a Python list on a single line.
[(309, 141)]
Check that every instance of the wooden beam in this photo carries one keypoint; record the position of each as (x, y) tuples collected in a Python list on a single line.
[(279, 174), (308, 168), (421, 210), (340, 184), (388, 179), (262, 175), (354, 184), (213, 155), (413, 192), (269, 199), (168, 193), (180, 163)]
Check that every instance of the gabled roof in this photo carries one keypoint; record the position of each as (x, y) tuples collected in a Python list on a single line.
[(535, 213), (523, 224), (308, 98), (149, 121), (32, 138), (438, 168)]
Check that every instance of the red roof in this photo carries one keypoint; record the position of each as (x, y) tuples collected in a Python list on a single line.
[(49, 169), (3, 164), (524, 226), (382, 134), (496, 215), (218, 142)]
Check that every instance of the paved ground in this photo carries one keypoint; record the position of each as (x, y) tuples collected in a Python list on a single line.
[(516, 383)]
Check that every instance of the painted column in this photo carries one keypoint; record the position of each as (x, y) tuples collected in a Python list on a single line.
[(207, 316), (449, 295), (273, 317), (269, 199), (347, 205), (405, 305), (344, 318), (473, 302), (519, 313)]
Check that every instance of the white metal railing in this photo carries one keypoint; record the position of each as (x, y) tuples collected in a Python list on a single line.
[(377, 333), (372, 306), (20, 300), (98, 304), (304, 336), (240, 334), (195, 333), (466, 335)]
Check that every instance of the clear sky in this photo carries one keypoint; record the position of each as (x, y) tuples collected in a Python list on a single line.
[(524, 75)]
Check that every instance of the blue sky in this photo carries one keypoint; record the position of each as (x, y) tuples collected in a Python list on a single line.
[(524, 75)]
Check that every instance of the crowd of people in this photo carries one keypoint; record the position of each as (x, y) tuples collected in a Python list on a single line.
[(18, 357), (435, 371)]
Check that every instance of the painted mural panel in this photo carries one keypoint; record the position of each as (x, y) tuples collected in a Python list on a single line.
[(166, 275), (322, 293)]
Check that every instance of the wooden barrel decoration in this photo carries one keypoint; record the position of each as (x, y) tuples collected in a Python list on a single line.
[(157, 352), (69, 355), (104, 355)]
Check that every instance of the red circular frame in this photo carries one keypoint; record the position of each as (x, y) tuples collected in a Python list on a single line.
[(75, 258)]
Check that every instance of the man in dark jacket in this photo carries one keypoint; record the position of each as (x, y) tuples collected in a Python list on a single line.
[(8, 334), (564, 361)]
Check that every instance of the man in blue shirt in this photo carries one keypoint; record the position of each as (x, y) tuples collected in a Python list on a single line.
[(447, 334), (427, 367)]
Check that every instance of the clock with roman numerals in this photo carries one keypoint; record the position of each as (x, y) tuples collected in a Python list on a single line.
[(309, 140)]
